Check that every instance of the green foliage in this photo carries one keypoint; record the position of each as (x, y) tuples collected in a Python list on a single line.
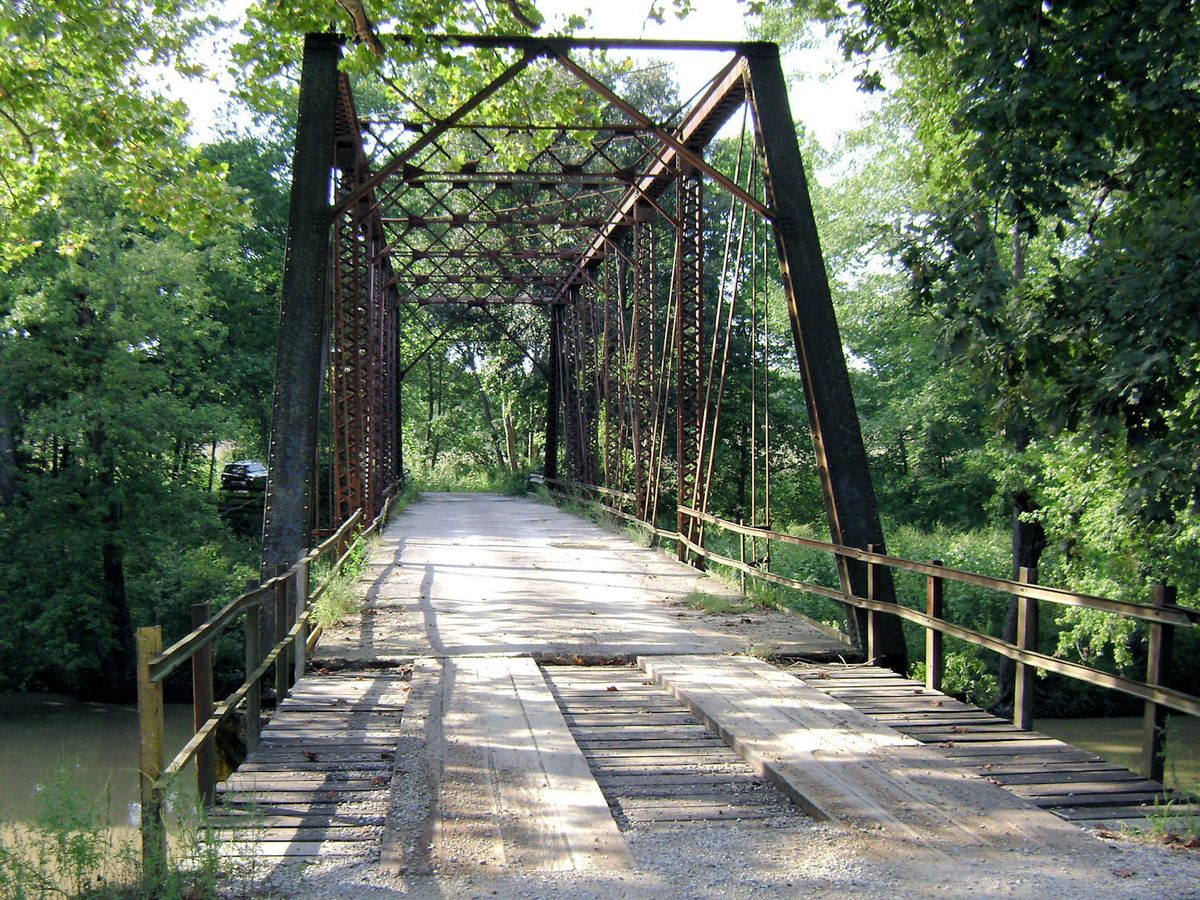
[(109, 367), (1013, 251), (714, 605), (75, 99), (72, 848), (965, 676)]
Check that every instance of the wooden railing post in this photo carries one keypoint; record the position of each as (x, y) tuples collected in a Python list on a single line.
[(254, 692), (300, 608), (281, 630), (1161, 641), (150, 754), (873, 593), (1027, 636), (742, 556), (202, 707), (935, 661)]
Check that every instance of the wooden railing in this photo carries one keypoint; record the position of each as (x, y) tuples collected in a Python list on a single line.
[(293, 596), (1162, 616)]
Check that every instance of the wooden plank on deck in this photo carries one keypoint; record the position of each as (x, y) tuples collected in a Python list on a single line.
[(505, 784), (841, 765)]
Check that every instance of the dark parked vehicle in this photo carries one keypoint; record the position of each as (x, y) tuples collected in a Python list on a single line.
[(244, 475)]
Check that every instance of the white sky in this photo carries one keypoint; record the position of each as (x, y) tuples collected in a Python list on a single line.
[(825, 102)]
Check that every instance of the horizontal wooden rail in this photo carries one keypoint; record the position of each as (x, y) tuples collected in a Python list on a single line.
[(154, 666), (183, 649), (1169, 698), (1172, 615), (616, 511), (223, 709), (594, 488), (1176, 700)]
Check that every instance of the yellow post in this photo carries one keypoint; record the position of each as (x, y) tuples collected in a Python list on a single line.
[(300, 595), (150, 753)]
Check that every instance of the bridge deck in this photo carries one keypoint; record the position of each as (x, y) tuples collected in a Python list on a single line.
[(492, 764)]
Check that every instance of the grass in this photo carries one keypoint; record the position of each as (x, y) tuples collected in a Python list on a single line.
[(72, 848), (714, 605), (441, 479), (341, 597), (1169, 826)]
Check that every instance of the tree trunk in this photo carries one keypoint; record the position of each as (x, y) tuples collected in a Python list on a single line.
[(1028, 538), (8, 460), (487, 417), (1028, 541), (212, 464), (117, 682), (510, 440)]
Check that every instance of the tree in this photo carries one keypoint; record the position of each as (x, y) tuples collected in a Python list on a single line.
[(1056, 199), (109, 353), (74, 98)]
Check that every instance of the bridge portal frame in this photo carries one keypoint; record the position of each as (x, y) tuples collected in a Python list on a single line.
[(328, 130)]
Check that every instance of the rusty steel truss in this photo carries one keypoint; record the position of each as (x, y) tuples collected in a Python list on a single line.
[(648, 247)]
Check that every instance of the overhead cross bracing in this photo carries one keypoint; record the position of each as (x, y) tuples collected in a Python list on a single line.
[(480, 209), (623, 245)]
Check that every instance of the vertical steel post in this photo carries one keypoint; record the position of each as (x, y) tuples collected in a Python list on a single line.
[(288, 506), (837, 439), (569, 385), (550, 468), (642, 338), (689, 287)]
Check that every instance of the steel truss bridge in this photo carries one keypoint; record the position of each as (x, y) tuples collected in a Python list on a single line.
[(638, 247), (643, 243)]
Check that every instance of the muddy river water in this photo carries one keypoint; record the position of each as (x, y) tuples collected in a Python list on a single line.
[(90, 748)]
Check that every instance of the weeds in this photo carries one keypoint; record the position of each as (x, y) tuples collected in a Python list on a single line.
[(714, 605), (1169, 826), (341, 598), (73, 848)]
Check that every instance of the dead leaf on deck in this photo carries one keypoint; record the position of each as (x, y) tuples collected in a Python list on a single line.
[(612, 687), (310, 756), (1124, 873), (958, 729), (935, 702), (378, 780)]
